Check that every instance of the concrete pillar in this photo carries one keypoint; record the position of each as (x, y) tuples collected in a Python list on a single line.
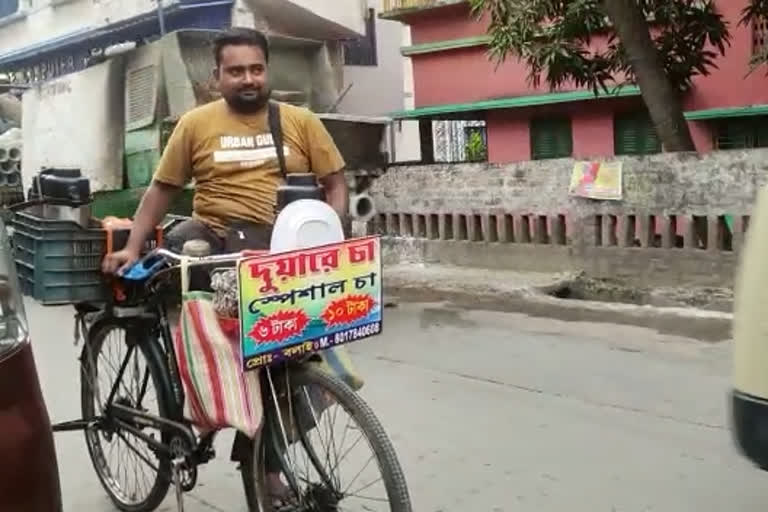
[(610, 231), (522, 229), (490, 228), (558, 229), (459, 226), (646, 230), (689, 233), (668, 231), (505, 228), (406, 226), (626, 230), (715, 240), (446, 226), (433, 226), (474, 228), (739, 230), (540, 229), (420, 225), (393, 224)]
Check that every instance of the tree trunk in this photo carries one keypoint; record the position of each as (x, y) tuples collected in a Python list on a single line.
[(661, 99)]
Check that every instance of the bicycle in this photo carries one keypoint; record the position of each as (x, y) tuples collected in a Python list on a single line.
[(175, 452)]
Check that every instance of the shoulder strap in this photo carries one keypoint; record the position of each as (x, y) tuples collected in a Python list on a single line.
[(275, 126)]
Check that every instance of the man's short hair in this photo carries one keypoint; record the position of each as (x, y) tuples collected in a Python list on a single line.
[(240, 36)]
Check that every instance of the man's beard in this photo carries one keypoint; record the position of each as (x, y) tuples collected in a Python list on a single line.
[(249, 101)]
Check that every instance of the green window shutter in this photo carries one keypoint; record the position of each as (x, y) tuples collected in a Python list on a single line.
[(551, 138), (732, 134), (761, 130), (742, 133), (635, 135)]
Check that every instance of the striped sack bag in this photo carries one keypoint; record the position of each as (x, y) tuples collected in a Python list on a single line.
[(218, 393)]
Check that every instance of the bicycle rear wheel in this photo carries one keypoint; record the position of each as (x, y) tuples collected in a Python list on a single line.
[(323, 468), (139, 478)]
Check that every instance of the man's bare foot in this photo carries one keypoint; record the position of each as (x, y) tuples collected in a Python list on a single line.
[(280, 494)]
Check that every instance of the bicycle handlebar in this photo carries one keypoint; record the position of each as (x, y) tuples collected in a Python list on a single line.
[(158, 257)]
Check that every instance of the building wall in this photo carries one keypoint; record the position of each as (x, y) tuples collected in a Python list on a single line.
[(61, 127), (465, 65), (521, 217), (592, 122), (44, 22), (57, 37), (345, 13), (726, 86), (450, 22), (383, 89)]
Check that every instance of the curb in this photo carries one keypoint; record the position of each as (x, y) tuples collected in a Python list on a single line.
[(703, 325)]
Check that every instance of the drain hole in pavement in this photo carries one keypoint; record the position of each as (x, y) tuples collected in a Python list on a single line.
[(563, 293), (614, 290), (600, 290)]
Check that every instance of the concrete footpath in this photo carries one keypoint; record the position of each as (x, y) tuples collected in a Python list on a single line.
[(563, 296)]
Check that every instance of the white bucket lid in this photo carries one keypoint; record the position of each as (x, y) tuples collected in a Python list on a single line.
[(306, 223)]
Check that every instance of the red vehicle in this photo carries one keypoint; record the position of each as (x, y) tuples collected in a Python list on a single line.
[(29, 476)]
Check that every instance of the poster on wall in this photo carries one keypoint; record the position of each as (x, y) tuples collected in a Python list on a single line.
[(597, 180)]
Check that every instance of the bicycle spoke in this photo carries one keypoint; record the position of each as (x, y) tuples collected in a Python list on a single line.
[(368, 486), (328, 444), (358, 475), (350, 449), (139, 454), (317, 422)]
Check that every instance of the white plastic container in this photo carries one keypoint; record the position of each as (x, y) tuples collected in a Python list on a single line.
[(306, 223)]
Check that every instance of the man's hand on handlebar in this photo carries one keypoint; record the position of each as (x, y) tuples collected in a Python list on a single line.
[(119, 262)]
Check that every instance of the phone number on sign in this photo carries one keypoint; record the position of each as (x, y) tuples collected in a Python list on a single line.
[(352, 334), (307, 347)]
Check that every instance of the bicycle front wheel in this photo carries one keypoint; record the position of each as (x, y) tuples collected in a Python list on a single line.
[(135, 477), (324, 447)]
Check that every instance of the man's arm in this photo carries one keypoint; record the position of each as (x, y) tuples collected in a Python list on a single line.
[(171, 175), (327, 163), (336, 192), (155, 203)]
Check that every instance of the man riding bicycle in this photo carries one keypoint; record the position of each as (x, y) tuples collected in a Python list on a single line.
[(228, 149)]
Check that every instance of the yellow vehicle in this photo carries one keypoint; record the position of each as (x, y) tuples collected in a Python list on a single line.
[(749, 398)]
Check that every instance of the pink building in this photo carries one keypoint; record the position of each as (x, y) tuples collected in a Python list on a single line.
[(454, 79)]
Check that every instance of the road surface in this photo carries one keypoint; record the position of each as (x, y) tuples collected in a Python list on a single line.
[(500, 412)]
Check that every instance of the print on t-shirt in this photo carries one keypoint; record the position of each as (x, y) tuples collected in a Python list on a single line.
[(247, 150)]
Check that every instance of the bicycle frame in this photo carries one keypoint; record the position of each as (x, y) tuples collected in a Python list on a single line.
[(126, 416), (153, 316)]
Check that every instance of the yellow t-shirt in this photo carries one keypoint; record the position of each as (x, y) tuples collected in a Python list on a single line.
[(233, 161)]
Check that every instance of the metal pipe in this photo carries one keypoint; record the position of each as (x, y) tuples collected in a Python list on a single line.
[(161, 17)]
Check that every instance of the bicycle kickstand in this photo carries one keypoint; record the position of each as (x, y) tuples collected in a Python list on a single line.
[(176, 472)]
